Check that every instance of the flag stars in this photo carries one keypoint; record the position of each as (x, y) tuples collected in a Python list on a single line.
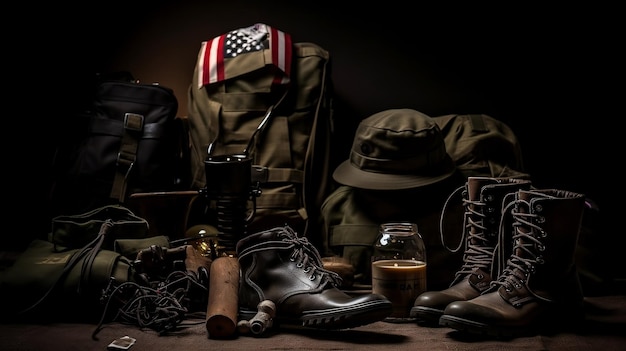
[(243, 41)]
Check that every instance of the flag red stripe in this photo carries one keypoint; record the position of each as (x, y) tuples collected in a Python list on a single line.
[(288, 53), (219, 64), (212, 61), (202, 63), (280, 45)]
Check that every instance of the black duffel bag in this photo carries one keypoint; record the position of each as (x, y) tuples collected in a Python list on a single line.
[(126, 139)]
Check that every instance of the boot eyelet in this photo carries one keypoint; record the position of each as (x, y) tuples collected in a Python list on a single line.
[(541, 219), (307, 269), (538, 208), (543, 234), (540, 260), (299, 265), (480, 276), (489, 198), (541, 248), (312, 277), (518, 286), (491, 210)]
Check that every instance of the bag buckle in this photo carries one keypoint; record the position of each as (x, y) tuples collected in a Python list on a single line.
[(133, 121), (126, 159), (260, 174)]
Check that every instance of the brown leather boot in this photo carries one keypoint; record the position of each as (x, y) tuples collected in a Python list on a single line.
[(483, 200), (539, 288), (279, 266)]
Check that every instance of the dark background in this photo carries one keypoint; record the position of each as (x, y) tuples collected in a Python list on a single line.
[(546, 72)]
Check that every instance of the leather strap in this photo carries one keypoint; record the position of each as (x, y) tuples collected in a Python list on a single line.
[(127, 155)]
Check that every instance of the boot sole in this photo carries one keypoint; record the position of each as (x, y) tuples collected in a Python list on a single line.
[(482, 329), (553, 321), (349, 317), (337, 318), (426, 315)]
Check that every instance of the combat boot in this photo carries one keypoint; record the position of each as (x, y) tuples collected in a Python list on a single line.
[(539, 289), (483, 202), (279, 266)]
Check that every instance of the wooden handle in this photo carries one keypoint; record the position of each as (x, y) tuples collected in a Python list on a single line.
[(223, 304)]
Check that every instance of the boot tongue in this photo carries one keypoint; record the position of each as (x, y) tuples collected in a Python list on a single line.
[(527, 196), (266, 236), (474, 188), (524, 207), (475, 185)]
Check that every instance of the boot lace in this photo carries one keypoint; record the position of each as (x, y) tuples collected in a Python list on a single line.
[(163, 305), (527, 249), (477, 254), (308, 258)]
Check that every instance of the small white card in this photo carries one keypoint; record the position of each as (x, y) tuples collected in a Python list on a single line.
[(123, 343)]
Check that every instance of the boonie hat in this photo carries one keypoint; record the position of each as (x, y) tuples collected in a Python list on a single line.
[(396, 149)]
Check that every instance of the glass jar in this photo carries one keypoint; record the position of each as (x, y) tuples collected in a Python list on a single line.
[(399, 267)]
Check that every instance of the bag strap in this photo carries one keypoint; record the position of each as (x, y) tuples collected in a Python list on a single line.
[(310, 157), (127, 155)]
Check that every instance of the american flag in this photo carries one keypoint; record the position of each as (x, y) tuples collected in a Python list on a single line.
[(215, 53)]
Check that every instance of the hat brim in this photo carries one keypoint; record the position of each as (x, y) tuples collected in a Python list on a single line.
[(347, 174)]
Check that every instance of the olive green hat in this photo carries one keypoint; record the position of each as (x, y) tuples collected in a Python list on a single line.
[(396, 149)]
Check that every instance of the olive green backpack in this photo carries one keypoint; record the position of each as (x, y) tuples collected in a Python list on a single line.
[(271, 102)]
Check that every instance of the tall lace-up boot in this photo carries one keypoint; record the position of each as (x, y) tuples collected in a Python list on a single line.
[(483, 200), (539, 289), (279, 266)]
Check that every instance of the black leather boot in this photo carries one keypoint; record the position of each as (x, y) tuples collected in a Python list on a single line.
[(483, 200), (539, 290), (279, 266)]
